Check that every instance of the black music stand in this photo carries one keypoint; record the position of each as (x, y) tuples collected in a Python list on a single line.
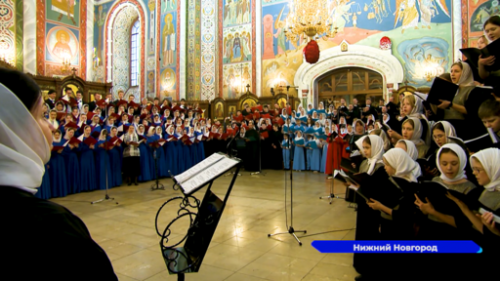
[(203, 217)]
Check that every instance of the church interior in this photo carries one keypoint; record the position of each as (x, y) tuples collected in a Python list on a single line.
[(292, 89)]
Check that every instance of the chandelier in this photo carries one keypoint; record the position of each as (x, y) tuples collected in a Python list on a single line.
[(312, 19), (309, 20)]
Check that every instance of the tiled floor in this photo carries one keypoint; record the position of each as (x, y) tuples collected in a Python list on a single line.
[(240, 249)]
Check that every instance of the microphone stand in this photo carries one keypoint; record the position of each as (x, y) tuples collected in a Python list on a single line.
[(291, 230), (106, 196), (231, 152)]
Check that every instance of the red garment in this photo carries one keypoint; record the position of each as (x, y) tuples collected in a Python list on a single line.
[(329, 157), (336, 151)]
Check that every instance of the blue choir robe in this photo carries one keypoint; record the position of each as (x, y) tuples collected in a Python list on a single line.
[(299, 159), (198, 146), (175, 153), (57, 173), (115, 158), (316, 159), (147, 164), (108, 127), (193, 152), (185, 157), (163, 161), (158, 156), (309, 152), (286, 147), (170, 156), (44, 189), (102, 165), (96, 130), (87, 166), (158, 124), (72, 169), (323, 157)]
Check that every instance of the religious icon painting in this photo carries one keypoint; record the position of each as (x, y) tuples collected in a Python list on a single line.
[(219, 110), (63, 11), (61, 44), (236, 12), (237, 44)]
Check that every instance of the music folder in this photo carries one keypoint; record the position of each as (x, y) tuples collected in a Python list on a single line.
[(195, 178), (441, 90), (472, 55), (347, 164)]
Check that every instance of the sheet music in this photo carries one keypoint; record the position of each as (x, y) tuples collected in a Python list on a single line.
[(198, 168), (213, 171)]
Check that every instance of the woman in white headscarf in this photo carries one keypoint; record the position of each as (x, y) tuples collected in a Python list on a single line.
[(409, 147), (412, 131), (455, 112), (486, 169), (442, 220), (396, 210), (132, 156), (368, 220), (64, 244), (441, 131), (393, 200), (372, 147)]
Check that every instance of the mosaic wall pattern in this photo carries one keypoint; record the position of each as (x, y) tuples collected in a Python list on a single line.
[(7, 31), (208, 49), (191, 45), (121, 48), (236, 47), (19, 34)]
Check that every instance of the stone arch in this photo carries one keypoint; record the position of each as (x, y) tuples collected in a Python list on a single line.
[(381, 61)]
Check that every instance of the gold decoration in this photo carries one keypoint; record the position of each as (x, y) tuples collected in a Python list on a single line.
[(310, 18)]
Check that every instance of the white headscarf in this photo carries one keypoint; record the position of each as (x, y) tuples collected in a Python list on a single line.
[(489, 159), (151, 131), (449, 130), (297, 136), (411, 149), (417, 110), (462, 157), (405, 167), (354, 126), (466, 79), (417, 131), (388, 118), (23, 147), (377, 151)]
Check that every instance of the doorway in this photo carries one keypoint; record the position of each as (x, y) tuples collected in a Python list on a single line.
[(349, 83)]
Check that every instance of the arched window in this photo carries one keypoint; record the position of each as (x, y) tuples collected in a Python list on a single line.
[(134, 54)]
